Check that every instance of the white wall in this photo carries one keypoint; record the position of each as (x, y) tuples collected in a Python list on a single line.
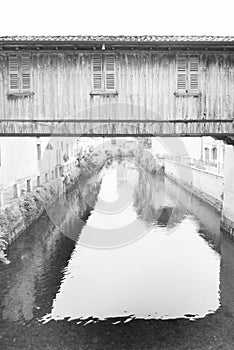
[(201, 180), (228, 203), (18, 159), (52, 158)]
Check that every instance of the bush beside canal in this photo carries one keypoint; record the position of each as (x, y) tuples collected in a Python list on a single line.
[(24, 211), (148, 162), (21, 214)]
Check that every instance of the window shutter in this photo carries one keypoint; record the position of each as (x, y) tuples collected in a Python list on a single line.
[(193, 72), (97, 72), (13, 73), (181, 73), (109, 72), (26, 72)]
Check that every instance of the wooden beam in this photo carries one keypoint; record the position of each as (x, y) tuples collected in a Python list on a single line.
[(116, 128)]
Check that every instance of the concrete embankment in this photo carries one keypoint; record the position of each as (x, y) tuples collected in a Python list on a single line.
[(205, 185), (25, 210)]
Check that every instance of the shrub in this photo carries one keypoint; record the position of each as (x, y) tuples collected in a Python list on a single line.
[(4, 227)]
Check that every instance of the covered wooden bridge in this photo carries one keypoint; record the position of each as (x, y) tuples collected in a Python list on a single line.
[(117, 86)]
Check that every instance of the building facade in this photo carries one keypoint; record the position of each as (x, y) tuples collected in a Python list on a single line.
[(130, 81), (27, 163), (213, 154)]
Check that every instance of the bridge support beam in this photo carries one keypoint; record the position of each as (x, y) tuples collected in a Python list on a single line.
[(227, 222)]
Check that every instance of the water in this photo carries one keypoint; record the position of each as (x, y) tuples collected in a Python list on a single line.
[(111, 274), (125, 246)]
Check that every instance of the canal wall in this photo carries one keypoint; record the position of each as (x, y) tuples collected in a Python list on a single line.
[(204, 184), (228, 202), (21, 214), (24, 211)]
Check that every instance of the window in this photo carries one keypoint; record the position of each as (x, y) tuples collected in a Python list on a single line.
[(29, 186), (19, 73), (214, 153), (207, 154), (38, 180), (38, 151), (187, 73), (61, 170), (103, 73)]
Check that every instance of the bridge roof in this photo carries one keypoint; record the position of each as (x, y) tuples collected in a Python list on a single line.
[(120, 40)]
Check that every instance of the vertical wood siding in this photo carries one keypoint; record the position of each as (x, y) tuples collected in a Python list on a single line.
[(145, 82)]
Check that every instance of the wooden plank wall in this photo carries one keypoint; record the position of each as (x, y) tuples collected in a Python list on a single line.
[(146, 83)]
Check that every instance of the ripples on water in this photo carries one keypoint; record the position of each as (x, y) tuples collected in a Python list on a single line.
[(137, 252)]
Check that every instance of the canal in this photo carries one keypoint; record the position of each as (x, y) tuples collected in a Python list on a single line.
[(128, 260)]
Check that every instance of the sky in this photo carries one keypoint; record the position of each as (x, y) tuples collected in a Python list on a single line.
[(75, 17)]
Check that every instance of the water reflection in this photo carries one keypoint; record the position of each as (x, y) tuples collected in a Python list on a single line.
[(33, 256), (163, 268), (30, 283)]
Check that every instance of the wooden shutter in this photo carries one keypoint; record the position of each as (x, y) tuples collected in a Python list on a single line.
[(97, 72), (193, 72), (25, 72), (109, 72), (13, 73), (181, 73)]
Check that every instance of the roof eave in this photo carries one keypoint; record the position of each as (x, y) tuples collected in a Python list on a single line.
[(90, 44)]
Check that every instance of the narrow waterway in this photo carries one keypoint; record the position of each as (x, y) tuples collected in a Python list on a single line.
[(126, 261)]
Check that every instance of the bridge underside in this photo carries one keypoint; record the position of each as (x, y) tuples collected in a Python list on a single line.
[(219, 128)]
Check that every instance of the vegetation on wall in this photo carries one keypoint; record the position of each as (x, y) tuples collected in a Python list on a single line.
[(21, 214), (24, 211)]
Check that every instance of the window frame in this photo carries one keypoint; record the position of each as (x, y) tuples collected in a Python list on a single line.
[(103, 73), (189, 76), (23, 73)]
